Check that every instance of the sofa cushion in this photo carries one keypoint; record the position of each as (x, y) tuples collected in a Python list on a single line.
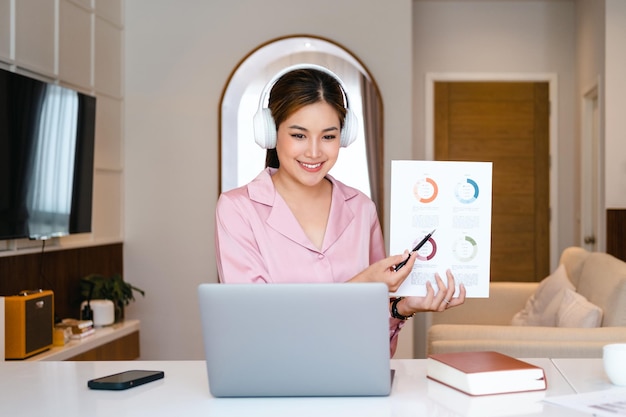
[(542, 307), (524, 342), (603, 283), (574, 259), (576, 311)]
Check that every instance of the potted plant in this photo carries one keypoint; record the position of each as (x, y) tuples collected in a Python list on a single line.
[(114, 288)]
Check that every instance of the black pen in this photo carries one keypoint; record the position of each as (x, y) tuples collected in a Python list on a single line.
[(415, 249)]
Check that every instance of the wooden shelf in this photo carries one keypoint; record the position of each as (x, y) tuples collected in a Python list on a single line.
[(119, 341)]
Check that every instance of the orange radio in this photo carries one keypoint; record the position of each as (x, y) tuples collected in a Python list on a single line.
[(28, 323)]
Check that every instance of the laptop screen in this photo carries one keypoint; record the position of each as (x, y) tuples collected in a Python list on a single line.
[(296, 339)]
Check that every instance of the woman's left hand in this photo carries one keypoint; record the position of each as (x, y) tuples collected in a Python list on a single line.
[(434, 301)]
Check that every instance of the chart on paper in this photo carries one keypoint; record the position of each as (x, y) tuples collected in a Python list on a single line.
[(454, 199)]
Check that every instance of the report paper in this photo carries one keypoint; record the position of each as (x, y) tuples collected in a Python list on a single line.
[(598, 403), (453, 199)]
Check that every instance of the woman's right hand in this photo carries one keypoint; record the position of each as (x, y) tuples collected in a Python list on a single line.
[(384, 271)]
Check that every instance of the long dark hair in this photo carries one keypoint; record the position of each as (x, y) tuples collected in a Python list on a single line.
[(299, 88)]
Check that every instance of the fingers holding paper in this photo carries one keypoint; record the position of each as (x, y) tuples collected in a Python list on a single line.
[(438, 299)]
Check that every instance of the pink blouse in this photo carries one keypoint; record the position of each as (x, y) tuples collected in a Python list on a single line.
[(259, 240)]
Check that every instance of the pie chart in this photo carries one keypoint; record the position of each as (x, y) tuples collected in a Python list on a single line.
[(425, 190), (465, 249), (428, 251), (466, 191)]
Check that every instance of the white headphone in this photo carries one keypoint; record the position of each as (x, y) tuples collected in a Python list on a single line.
[(265, 126)]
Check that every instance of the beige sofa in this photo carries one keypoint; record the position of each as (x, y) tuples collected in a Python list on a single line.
[(485, 323)]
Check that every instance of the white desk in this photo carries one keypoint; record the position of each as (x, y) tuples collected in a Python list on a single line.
[(60, 389), (584, 375)]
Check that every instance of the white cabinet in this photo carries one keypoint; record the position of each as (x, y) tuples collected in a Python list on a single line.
[(35, 36), (75, 45), (110, 10), (5, 30), (108, 62)]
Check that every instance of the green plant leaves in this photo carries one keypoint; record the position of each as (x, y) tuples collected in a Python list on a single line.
[(114, 288)]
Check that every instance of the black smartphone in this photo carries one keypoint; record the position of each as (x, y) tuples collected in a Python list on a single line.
[(125, 380)]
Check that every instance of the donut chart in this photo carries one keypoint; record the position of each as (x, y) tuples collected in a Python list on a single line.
[(466, 191), (426, 190), (465, 249), (428, 251)]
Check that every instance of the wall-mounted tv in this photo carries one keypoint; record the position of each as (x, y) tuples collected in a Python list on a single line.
[(46, 158)]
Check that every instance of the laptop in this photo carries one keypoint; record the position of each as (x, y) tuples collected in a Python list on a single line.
[(285, 340)]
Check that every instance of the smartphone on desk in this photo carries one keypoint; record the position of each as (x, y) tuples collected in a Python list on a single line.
[(125, 380)]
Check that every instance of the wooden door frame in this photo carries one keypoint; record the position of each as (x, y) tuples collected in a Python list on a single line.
[(551, 79)]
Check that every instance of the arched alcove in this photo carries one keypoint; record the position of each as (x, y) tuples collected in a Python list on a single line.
[(360, 165)]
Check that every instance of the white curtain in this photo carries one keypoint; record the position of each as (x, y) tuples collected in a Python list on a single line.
[(52, 168)]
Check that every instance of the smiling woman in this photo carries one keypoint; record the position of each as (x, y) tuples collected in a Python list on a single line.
[(295, 216), (360, 165)]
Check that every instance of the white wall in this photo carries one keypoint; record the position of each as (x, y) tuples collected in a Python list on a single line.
[(590, 43), (178, 58), (602, 59), (590, 30), (615, 103)]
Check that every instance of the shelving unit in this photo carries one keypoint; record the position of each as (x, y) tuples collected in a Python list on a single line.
[(119, 341)]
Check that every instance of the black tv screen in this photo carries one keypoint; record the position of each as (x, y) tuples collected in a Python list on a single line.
[(46, 158)]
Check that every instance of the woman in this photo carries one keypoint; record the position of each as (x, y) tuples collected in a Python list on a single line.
[(296, 223)]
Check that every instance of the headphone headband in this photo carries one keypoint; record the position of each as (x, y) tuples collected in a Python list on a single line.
[(265, 126), (276, 77)]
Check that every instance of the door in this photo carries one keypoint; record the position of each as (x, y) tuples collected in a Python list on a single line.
[(506, 123)]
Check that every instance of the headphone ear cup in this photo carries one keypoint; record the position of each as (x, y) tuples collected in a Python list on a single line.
[(350, 129), (264, 129)]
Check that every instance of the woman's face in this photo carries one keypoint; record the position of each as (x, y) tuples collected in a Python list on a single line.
[(307, 143)]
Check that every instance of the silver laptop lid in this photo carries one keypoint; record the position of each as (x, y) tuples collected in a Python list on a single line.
[(296, 339)]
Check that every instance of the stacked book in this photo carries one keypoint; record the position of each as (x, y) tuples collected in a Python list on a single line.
[(79, 328)]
